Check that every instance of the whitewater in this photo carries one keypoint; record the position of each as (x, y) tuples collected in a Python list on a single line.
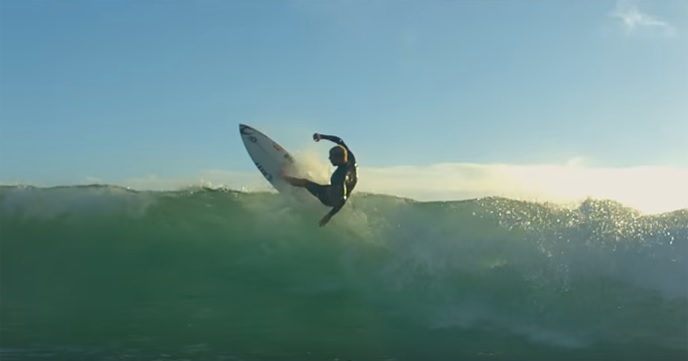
[(103, 272)]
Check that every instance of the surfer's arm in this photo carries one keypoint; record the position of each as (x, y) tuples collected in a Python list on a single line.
[(338, 140), (331, 138)]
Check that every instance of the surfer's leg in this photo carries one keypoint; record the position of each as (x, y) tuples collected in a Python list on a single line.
[(298, 182), (319, 191)]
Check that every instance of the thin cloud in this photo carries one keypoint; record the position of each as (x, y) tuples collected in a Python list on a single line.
[(648, 189), (633, 19)]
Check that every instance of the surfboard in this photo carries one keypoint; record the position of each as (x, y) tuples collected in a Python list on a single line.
[(268, 156)]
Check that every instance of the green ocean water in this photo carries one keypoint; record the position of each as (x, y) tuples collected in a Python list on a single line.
[(106, 273)]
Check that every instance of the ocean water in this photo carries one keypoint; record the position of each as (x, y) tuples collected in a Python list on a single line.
[(107, 273)]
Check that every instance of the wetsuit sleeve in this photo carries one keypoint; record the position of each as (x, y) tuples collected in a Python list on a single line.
[(335, 139)]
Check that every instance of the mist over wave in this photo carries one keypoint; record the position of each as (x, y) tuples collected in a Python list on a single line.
[(649, 189)]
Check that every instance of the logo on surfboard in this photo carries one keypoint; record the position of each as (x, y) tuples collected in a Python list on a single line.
[(263, 171), (268, 161)]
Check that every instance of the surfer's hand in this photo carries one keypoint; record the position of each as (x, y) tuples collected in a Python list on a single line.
[(325, 219), (316, 137)]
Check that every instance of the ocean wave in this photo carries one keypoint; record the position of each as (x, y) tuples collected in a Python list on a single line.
[(394, 275)]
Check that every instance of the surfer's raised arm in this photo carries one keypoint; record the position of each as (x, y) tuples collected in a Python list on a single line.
[(335, 139), (331, 138)]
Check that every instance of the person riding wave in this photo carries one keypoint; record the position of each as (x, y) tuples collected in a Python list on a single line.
[(342, 181)]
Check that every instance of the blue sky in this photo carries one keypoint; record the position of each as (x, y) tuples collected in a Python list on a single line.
[(115, 90)]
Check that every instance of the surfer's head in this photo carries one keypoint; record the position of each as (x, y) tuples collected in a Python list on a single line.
[(338, 155)]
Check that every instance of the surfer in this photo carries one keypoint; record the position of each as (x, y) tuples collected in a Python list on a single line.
[(342, 181)]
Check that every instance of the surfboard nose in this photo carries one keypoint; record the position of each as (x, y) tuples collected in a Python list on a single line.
[(243, 128)]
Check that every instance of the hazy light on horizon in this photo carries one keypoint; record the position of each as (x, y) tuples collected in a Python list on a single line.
[(647, 189)]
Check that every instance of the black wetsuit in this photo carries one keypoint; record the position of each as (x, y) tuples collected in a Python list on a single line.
[(342, 181)]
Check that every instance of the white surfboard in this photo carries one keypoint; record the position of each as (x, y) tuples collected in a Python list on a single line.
[(268, 156)]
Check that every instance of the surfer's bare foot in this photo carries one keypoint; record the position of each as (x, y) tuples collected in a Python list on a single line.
[(283, 173), (298, 182)]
